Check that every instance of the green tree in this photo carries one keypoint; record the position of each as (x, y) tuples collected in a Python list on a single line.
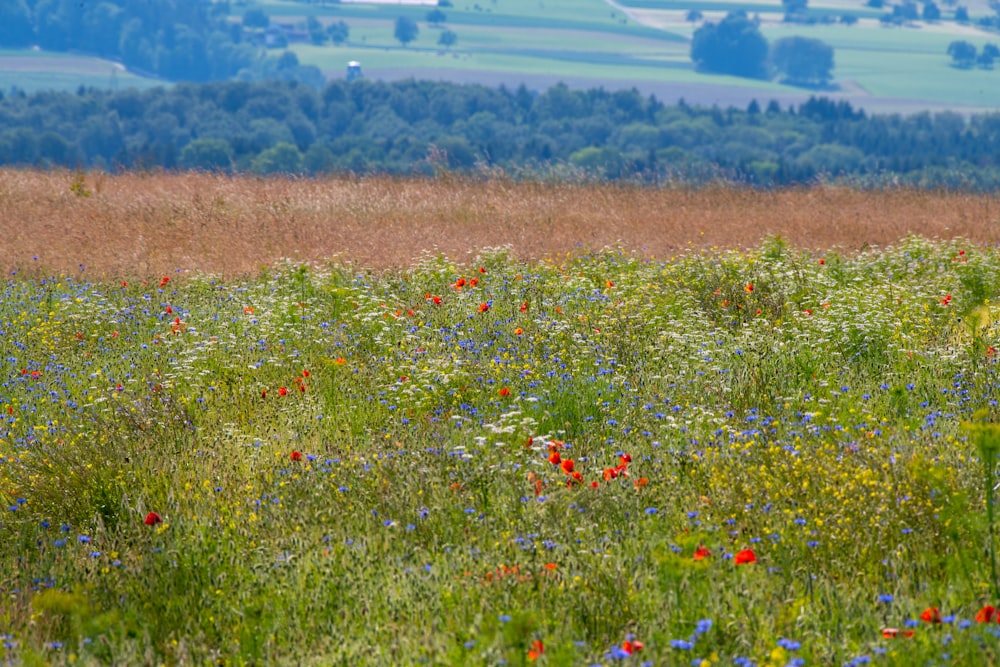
[(317, 35), (16, 30), (931, 12), (19, 146), (406, 30), (436, 17), (447, 39), (319, 159), (802, 60), (338, 32), (282, 158), (207, 154), (733, 46), (256, 18), (961, 15), (794, 9), (963, 54), (693, 16), (907, 11)]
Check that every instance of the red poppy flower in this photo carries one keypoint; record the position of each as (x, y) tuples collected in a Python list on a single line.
[(822, 261), (164, 281), (555, 459), (641, 482), (567, 466), (631, 647), (305, 373), (152, 519), (296, 456), (524, 307), (931, 615), (504, 392), (701, 552), (460, 283), (436, 300), (282, 391), (986, 614), (610, 474), (170, 311), (745, 556), (263, 394), (482, 269), (483, 307), (518, 331), (473, 282), (749, 288), (537, 648), (626, 458), (609, 284)]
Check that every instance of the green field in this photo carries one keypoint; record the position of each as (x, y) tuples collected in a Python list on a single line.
[(41, 70), (590, 43), (771, 457)]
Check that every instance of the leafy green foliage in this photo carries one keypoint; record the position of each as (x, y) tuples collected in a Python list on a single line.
[(367, 125), (962, 53), (733, 46), (447, 38), (803, 61), (405, 30)]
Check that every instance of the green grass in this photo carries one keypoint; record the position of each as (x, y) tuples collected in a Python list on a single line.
[(358, 468), (31, 70)]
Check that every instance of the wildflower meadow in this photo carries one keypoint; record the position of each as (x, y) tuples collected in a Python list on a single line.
[(767, 457)]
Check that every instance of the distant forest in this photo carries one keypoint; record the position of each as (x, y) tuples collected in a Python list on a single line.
[(413, 127), (189, 40)]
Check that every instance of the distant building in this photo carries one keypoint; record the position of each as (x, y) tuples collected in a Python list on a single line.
[(278, 35), (354, 70)]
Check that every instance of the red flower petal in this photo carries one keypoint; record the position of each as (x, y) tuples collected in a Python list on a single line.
[(986, 614)]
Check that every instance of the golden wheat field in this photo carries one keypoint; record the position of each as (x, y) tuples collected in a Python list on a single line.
[(142, 224)]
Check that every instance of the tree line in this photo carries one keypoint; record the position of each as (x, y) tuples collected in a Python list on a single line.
[(410, 127), (177, 40)]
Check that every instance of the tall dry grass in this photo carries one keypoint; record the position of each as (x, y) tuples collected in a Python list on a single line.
[(142, 224)]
